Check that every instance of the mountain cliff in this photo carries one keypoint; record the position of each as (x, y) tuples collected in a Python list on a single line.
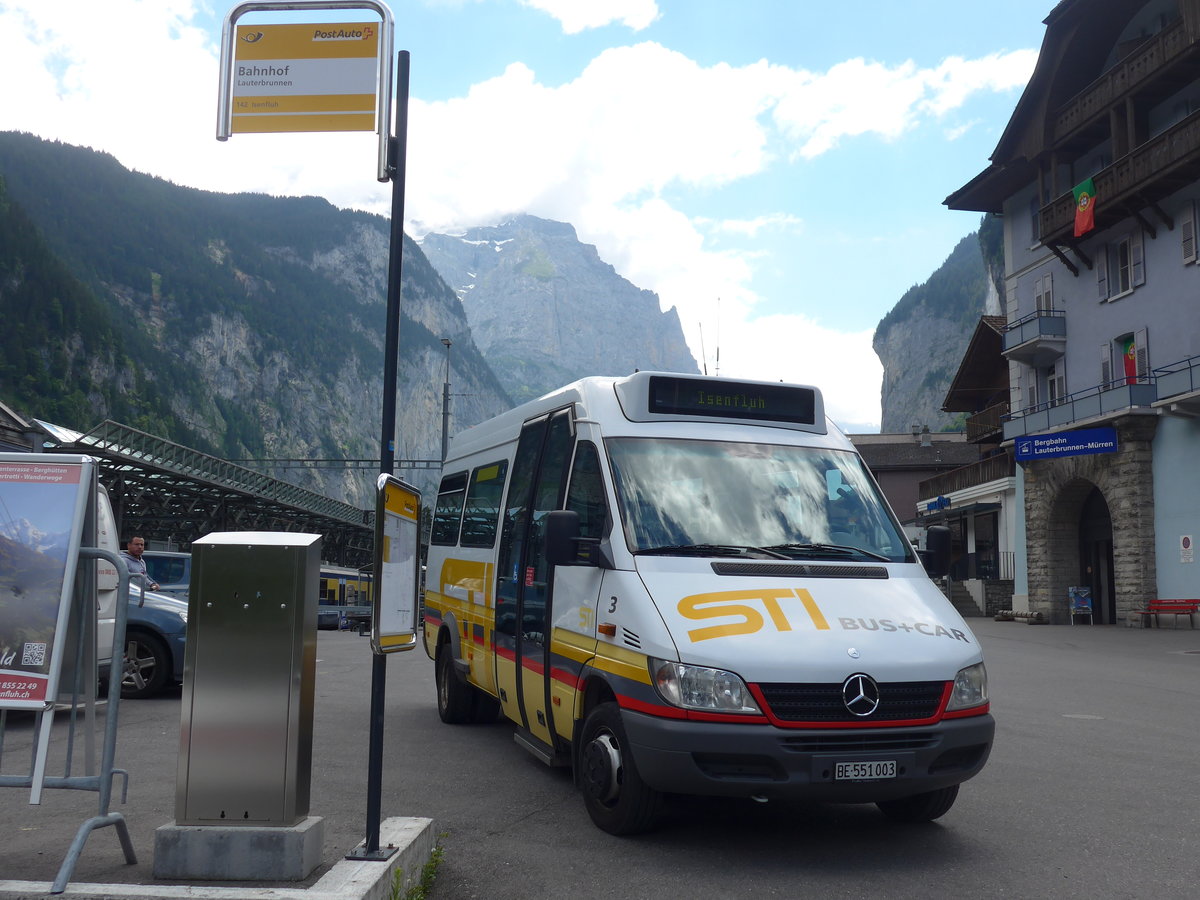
[(247, 326), (922, 339), (546, 310)]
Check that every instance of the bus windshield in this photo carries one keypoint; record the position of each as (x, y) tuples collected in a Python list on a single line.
[(759, 500)]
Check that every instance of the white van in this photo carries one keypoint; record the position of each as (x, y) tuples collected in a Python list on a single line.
[(682, 584)]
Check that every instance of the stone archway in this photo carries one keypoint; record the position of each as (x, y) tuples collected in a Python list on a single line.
[(1056, 492)]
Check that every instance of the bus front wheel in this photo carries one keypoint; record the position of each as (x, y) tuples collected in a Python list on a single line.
[(617, 799)]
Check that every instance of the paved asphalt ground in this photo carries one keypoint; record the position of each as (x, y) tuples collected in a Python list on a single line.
[(1092, 791)]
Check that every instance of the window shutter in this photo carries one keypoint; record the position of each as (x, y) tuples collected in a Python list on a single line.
[(1136, 261), (1102, 272), (1187, 232), (1142, 353), (1011, 306), (1105, 364)]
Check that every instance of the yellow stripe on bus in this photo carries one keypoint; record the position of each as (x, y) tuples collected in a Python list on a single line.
[(572, 645), (619, 661)]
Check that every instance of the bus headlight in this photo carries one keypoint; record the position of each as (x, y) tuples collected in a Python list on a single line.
[(970, 688), (699, 687)]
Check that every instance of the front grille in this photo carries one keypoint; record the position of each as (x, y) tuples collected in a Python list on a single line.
[(898, 702), (865, 740)]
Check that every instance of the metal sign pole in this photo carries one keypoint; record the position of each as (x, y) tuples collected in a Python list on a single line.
[(387, 455)]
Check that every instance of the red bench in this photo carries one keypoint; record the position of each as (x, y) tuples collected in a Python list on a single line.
[(1176, 608)]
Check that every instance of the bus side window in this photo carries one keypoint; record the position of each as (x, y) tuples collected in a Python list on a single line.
[(448, 512), (483, 505), (586, 494)]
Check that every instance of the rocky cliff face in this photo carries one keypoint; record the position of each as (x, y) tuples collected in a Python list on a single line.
[(922, 340), (546, 310), (250, 327)]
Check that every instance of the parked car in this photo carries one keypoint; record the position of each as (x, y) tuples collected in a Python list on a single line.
[(172, 571), (155, 624), (155, 631)]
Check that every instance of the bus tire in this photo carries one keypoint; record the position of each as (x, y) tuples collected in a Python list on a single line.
[(454, 699), (616, 798), (920, 807)]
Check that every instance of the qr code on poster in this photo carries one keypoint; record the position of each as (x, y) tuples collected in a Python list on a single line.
[(33, 655)]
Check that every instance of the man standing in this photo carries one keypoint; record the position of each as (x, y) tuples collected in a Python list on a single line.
[(132, 554)]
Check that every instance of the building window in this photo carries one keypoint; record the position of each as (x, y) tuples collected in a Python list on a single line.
[(1124, 360), (1043, 293), (1120, 267), (1187, 232), (1056, 384)]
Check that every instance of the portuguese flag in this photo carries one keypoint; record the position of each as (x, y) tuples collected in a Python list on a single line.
[(1085, 207), (1129, 358)]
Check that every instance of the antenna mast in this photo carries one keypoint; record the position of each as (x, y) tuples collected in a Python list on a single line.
[(717, 371)]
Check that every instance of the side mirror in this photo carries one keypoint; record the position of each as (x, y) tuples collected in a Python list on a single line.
[(936, 555), (562, 537)]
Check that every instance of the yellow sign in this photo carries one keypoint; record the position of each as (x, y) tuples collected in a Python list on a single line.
[(397, 562), (320, 77)]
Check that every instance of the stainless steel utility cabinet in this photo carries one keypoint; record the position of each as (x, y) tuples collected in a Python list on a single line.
[(245, 755)]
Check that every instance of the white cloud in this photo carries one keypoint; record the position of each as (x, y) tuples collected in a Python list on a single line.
[(606, 152), (817, 110), (580, 15)]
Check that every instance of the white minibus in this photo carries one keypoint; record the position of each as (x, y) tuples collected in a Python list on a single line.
[(677, 584)]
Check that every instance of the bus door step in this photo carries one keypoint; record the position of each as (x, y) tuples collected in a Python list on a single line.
[(541, 749)]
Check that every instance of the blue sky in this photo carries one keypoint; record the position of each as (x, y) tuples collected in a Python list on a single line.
[(774, 169)]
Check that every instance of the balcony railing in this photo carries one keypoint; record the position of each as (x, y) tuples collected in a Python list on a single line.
[(1178, 378), (1091, 105), (987, 423), (1140, 177), (993, 468), (1037, 339), (1179, 385), (1099, 402)]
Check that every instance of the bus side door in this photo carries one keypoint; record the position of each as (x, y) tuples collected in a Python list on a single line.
[(522, 578)]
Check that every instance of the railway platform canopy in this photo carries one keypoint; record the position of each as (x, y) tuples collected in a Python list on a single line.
[(172, 495)]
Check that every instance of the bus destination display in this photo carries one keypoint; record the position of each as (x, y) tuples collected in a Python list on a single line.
[(731, 400)]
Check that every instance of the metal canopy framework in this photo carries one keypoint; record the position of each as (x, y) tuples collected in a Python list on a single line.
[(166, 492)]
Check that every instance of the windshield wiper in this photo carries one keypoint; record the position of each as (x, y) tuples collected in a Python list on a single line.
[(710, 550), (836, 549)]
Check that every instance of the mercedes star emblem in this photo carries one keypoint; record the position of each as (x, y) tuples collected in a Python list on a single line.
[(860, 693)]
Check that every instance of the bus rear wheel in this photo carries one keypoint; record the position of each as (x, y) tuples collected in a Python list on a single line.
[(616, 798)]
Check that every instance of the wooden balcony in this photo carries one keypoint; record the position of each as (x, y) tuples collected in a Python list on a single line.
[(993, 468), (987, 424), (1137, 180), (1088, 110)]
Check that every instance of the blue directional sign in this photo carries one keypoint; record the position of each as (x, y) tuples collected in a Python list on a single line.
[(1067, 443)]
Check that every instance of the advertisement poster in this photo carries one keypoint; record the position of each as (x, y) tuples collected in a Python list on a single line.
[(41, 506)]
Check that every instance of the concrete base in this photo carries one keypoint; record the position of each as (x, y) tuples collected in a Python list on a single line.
[(239, 853), (413, 838)]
